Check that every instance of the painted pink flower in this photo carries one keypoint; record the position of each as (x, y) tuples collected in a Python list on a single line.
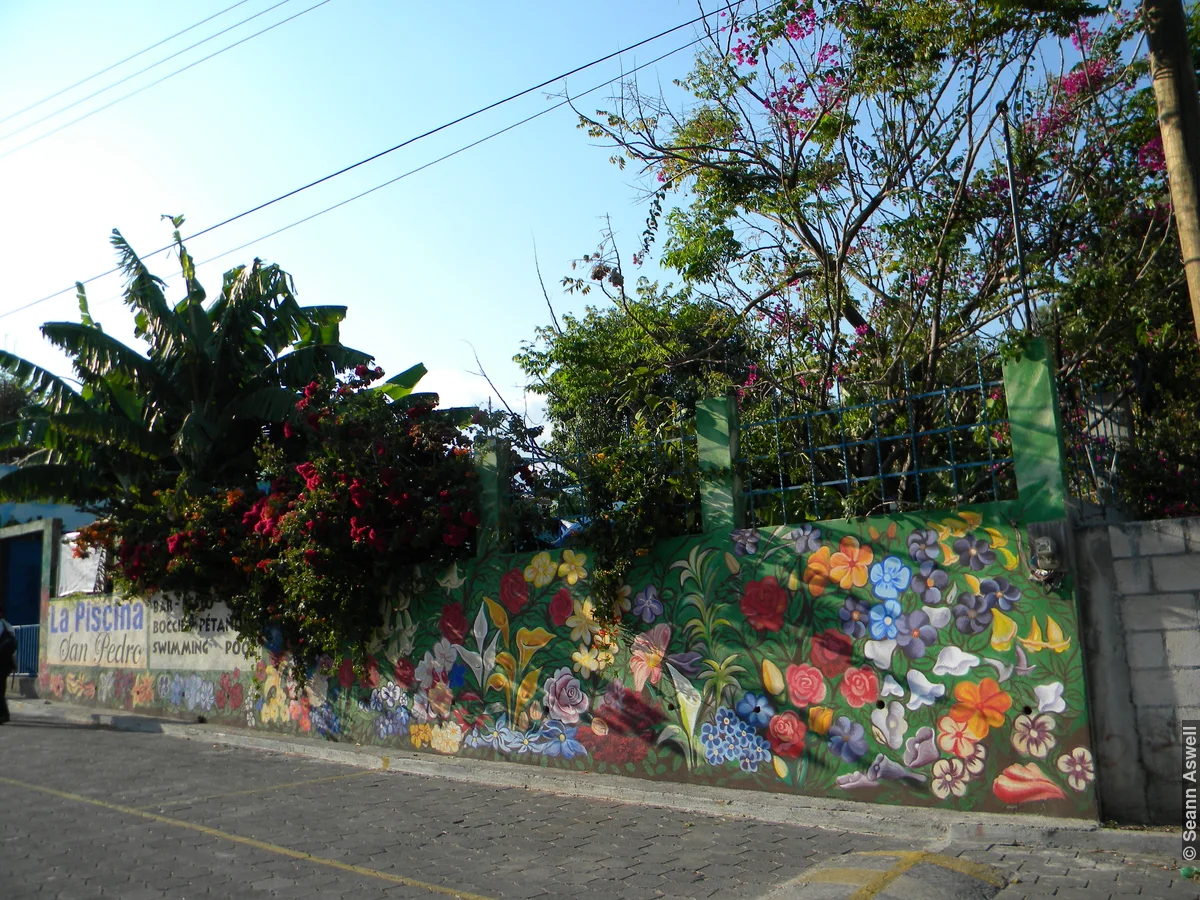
[(1079, 768), (648, 655)]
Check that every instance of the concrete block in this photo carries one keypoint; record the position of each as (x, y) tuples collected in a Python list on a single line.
[(1152, 687), (1119, 541), (1159, 741), (1163, 537), (1183, 648), (1187, 686), (1165, 801), (1146, 649), (1159, 612), (1133, 576), (1175, 573)]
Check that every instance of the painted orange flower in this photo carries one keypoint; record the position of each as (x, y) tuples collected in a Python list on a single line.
[(816, 573), (848, 567), (143, 690), (981, 706)]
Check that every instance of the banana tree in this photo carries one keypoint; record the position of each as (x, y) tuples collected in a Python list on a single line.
[(192, 405)]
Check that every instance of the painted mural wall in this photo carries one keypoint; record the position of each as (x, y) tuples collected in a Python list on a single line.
[(907, 660)]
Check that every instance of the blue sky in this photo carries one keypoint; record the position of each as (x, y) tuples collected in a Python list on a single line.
[(430, 267)]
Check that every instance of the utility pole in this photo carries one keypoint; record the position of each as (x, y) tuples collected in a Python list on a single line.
[(1174, 78)]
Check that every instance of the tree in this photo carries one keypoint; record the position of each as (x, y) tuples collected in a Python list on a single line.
[(839, 184), (192, 408)]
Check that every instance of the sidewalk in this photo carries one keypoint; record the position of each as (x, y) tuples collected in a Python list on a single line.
[(730, 843)]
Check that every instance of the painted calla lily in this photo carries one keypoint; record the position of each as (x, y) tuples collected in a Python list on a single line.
[(954, 661), (891, 687), (1004, 630), (1050, 697), (923, 691), (880, 653), (1054, 640)]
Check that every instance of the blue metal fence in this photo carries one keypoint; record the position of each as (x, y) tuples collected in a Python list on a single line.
[(887, 454), (27, 649)]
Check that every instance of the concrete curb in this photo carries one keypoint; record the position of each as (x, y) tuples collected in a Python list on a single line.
[(940, 826)]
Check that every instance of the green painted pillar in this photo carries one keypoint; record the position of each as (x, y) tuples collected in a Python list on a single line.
[(1036, 431), (493, 467), (721, 501)]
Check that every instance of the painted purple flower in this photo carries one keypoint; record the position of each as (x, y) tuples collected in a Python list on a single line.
[(806, 538), (971, 614), (884, 769), (999, 593), (646, 605), (974, 553), (745, 541), (854, 615), (923, 545), (848, 739), (914, 633), (930, 583), (565, 699)]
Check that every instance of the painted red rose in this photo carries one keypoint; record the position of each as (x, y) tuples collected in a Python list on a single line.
[(785, 733), (370, 678), (346, 672), (763, 604), (860, 686), (831, 652), (514, 592), (405, 673), (453, 623), (806, 685), (561, 608)]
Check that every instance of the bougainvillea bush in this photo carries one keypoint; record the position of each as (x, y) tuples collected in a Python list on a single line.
[(359, 485)]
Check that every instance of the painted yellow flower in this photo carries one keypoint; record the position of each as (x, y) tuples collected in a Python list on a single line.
[(420, 735), (586, 659), (772, 678), (446, 738), (1004, 630), (572, 566), (540, 571), (820, 718), (275, 699), (583, 623)]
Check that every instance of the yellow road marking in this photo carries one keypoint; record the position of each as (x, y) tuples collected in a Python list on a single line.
[(955, 864), (251, 842), (259, 790), (840, 876), (871, 881)]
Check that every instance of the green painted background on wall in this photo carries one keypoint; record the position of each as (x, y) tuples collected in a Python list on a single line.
[(908, 660)]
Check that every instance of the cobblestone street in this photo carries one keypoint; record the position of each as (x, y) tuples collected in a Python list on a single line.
[(101, 813)]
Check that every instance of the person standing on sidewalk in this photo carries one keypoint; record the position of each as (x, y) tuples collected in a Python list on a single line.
[(8, 663)]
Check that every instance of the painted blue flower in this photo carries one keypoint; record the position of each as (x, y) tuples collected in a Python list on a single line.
[(458, 675), (755, 710), (559, 740), (164, 686), (889, 578), (512, 741), (883, 619), (848, 739), (914, 634), (972, 615), (854, 615), (975, 554), (646, 605), (393, 723), (325, 720), (729, 739), (175, 697), (484, 735)]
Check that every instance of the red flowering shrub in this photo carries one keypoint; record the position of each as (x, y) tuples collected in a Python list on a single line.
[(360, 485)]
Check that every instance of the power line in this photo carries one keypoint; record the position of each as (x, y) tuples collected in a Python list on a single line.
[(122, 62), (378, 155), (144, 87)]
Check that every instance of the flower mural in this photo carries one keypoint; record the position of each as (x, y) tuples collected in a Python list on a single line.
[(903, 660)]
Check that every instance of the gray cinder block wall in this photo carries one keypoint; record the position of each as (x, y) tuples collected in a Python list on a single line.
[(1139, 594)]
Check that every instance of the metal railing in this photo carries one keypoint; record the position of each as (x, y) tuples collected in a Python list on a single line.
[(27, 649), (916, 450)]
